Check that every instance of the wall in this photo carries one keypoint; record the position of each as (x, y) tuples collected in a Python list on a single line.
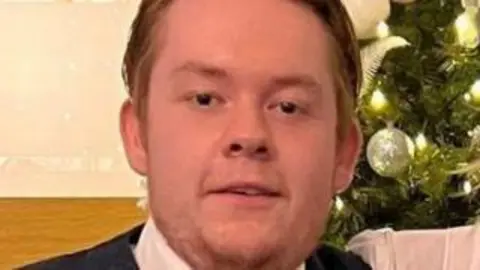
[(60, 94)]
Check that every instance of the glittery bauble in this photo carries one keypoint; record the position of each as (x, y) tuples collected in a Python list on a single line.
[(388, 153)]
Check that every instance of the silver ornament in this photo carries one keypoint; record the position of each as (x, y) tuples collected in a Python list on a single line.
[(388, 152)]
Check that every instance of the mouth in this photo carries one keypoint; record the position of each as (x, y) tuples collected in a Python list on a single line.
[(251, 196), (247, 190)]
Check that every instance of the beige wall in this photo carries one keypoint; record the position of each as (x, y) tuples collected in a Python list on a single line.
[(60, 92)]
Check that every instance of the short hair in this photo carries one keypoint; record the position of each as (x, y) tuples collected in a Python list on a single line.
[(140, 54)]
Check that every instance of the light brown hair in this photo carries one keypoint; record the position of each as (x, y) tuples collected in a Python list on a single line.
[(140, 54)]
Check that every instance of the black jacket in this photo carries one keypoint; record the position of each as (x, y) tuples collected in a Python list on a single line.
[(116, 254)]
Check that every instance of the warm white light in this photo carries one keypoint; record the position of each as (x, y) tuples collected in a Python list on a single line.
[(467, 31), (339, 204), (378, 101), (462, 22), (383, 30), (421, 142), (467, 97), (474, 94), (475, 90), (467, 187)]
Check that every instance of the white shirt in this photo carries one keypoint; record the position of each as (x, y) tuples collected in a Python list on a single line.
[(456, 248), (153, 253)]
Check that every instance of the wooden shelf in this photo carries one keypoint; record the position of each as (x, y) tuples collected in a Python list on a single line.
[(34, 229)]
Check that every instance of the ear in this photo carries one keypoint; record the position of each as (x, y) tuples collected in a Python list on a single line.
[(348, 152), (132, 137)]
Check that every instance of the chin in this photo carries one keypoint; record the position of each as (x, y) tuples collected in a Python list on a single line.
[(243, 241)]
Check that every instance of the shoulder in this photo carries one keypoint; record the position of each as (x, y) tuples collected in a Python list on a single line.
[(74, 261), (115, 253), (327, 257)]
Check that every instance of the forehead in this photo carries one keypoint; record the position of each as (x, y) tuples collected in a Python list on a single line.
[(276, 36)]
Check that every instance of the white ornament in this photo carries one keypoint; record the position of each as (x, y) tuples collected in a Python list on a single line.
[(365, 17), (388, 152), (373, 54)]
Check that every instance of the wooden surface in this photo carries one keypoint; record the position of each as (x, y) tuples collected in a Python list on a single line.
[(33, 229)]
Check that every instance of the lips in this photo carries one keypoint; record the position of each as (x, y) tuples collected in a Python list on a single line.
[(247, 189)]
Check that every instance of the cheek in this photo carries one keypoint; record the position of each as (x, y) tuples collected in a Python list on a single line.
[(307, 162), (178, 148)]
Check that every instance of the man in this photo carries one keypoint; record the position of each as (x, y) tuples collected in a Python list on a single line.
[(241, 118)]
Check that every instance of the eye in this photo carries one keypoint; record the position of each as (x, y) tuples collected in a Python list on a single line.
[(205, 100), (288, 107)]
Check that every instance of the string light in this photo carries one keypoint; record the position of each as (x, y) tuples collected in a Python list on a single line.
[(467, 97), (467, 187), (475, 90), (421, 142), (378, 101), (467, 31), (339, 204), (472, 97), (383, 30)]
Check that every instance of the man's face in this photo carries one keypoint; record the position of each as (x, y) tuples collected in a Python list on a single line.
[(241, 148)]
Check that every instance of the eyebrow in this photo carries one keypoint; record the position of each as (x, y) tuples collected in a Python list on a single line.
[(202, 69), (277, 82), (295, 80)]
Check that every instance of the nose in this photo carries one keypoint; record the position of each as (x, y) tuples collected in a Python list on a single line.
[(247, 136), (248, 147)]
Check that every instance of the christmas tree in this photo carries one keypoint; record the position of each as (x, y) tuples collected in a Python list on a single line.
[(420, 114)]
